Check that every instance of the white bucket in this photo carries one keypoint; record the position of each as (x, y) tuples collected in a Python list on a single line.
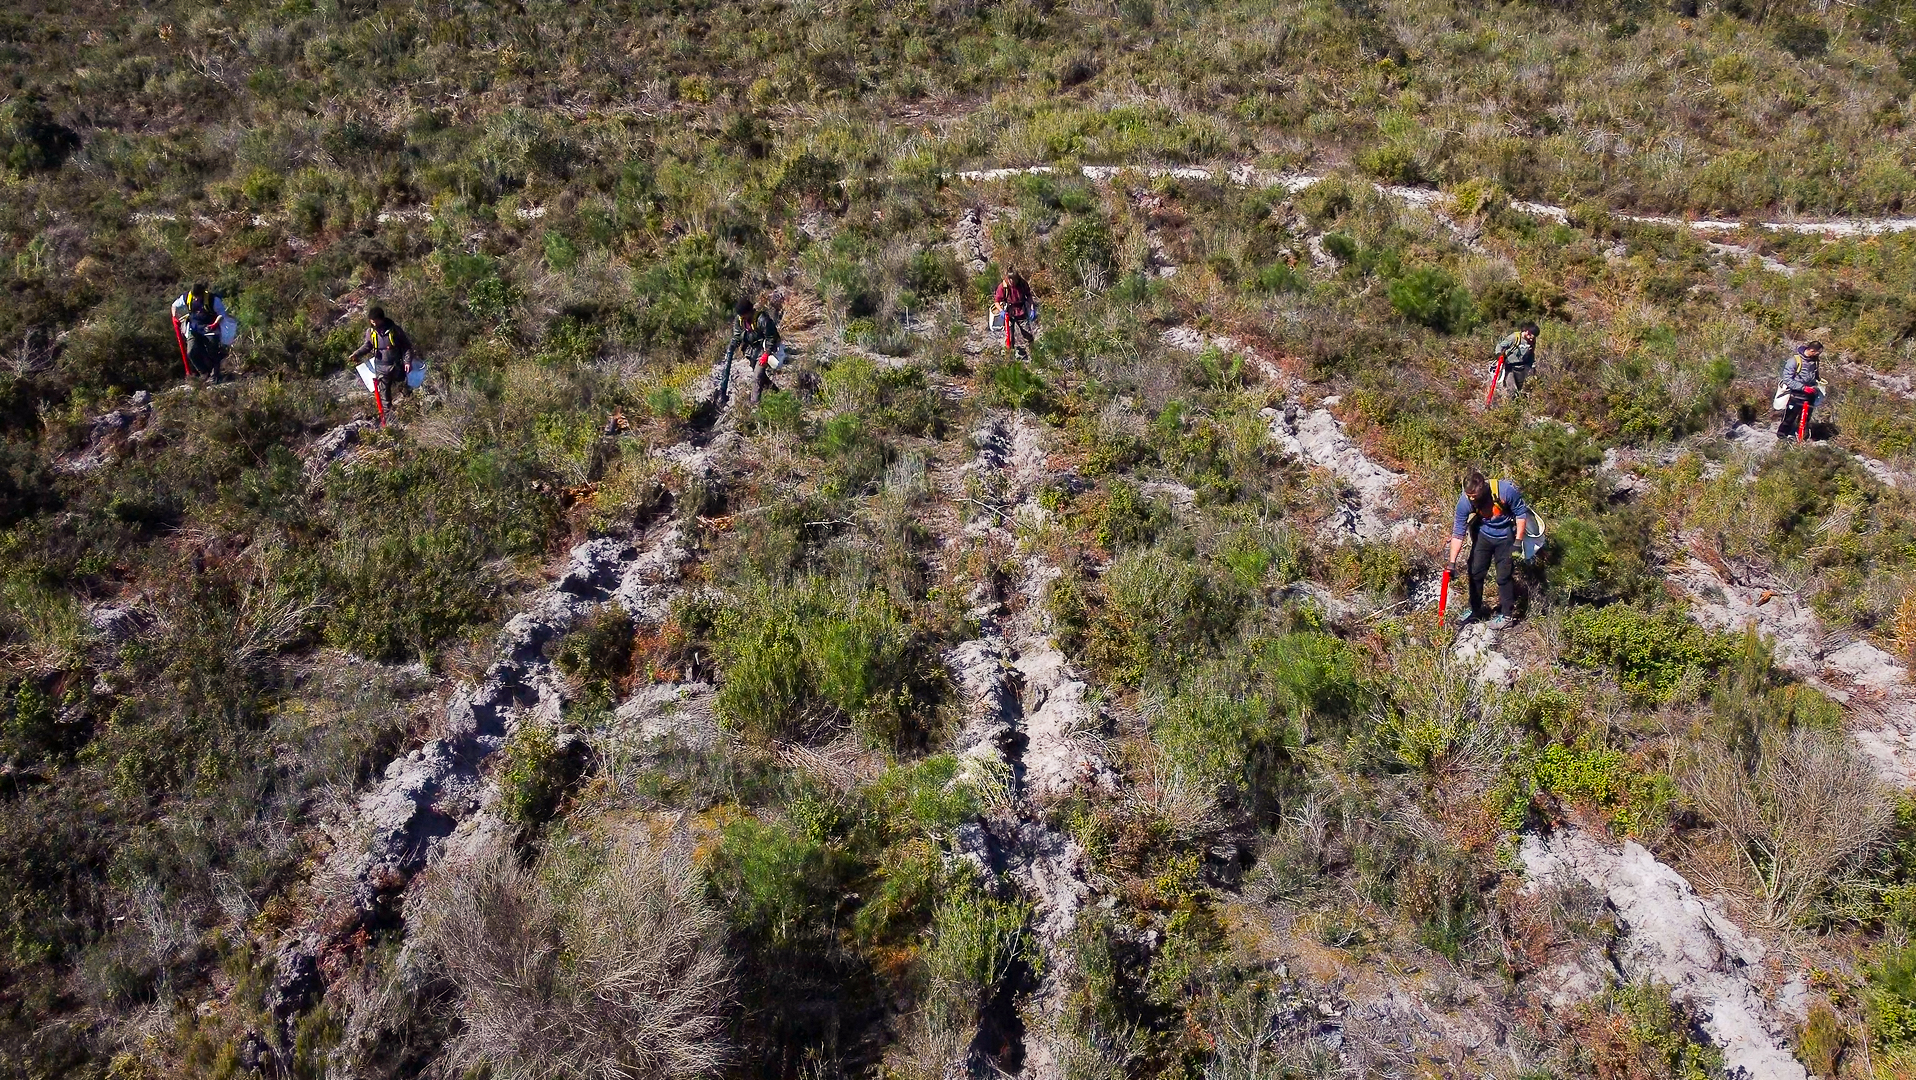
[(1533, 539)]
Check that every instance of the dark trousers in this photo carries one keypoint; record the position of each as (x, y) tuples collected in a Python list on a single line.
[(762, 376), (390, 385), (1019, 318), (1482, 550), (204, 352), (1793, 419), (1515, 375)]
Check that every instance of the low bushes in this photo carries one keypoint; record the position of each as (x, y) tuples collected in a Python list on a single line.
[(1651, 653), (600, 959), (1434, 298), (800, 658)]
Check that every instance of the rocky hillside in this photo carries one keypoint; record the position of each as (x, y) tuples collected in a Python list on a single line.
[(1079, 713)]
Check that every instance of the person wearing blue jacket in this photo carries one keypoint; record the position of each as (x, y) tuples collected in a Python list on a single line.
[(1494, 516)]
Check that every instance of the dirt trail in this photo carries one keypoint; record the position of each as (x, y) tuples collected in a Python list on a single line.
[(438, 798), (1030, 734), (1426, 198)]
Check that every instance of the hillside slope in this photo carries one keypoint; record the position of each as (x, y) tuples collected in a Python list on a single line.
[(1083, 713)]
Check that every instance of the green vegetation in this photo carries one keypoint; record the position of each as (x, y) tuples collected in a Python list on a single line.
[(214, 637), (1651, 653)]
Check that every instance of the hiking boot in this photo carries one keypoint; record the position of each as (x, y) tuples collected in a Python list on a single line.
[(1501, 622), (1469, 616)]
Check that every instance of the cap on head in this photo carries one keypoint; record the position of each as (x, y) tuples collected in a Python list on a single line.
[(744, 305), (200, 289), (1814, 346), (1528, 328), (375, 314)]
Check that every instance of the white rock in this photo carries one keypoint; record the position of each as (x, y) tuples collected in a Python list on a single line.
[(1668, 933)]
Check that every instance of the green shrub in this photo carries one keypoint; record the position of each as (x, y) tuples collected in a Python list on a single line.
[(975, 944), (797, 657), (1221, 737), (1655, 1036), (30, 139), (807, 175), (1325, 202), (1126, 518), (779, 411), (1392, 162), (561, 253), (1432, 297), (29, 728), (933, 272), (1800, 36), (1163, 611), (127, 344), (599, 649), (779, 884), (1650, 652), (1821, 1040), (1279, 278), (855, 458), (1890, 996), (687, 295), (1015, 384), (533, 773), (1086, 251), (491, 300), (1593, 776)]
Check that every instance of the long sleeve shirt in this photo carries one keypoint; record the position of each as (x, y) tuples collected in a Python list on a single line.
[(1506, 506), (1516, 351), (388, 346), (759, 335), (1800, 370), (201, 323)]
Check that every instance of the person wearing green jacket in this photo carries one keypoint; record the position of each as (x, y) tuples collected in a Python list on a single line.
[(1518, 356), (754, 336)]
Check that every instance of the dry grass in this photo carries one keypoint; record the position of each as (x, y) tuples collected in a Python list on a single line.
[(1805, 814), (598, 964)]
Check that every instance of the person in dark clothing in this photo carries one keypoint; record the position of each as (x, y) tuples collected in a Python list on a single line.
[(392, 355), (1495, 517), (1800, 383), (1519, 355), (755, 336), (1013, 300), (200, 316)]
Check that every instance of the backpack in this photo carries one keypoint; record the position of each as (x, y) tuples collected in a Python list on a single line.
[(200, 308), (1496, 502)]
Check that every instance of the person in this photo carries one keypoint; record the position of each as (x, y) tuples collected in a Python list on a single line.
[(1800, 373), (1013, 300), (1518, 353), (1495, 517), (200, 315), (392, 354), (755, 335)]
